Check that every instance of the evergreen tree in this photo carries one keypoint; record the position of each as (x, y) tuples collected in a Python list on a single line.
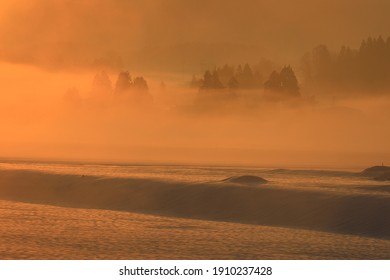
[(123, 82), (274, 83), (211, 81), (207, 80), (239, 73), (216, 82), (284, 82), (140, 83), (247, 79), (289, 81), (225, 74), (101, 85), (233, 83), (322, 63)]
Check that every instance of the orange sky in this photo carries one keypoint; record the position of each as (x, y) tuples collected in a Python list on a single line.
[(47, 47), (67, 32)]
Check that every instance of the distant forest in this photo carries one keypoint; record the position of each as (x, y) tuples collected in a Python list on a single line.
[(321, 70), (126, 88), (366, 68), (233, 78)]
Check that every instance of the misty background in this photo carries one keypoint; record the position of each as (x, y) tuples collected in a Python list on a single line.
[(174, 35), (48, 47)]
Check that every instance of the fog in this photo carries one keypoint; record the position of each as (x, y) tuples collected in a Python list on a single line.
[(180, 35), (38, 123), (49, 47)]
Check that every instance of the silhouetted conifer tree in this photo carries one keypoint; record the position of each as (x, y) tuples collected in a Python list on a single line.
[(207, 80), (233, 83), (123, 83), (140, 83), (216, 83), (239, 72), (322, 62), (101, 85), (225, 74), (284, 82), (247, 77), (274, 83), (289, 81)]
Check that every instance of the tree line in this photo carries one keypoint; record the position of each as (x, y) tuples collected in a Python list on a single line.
[(366, 68), (235, 78), (126, 87)]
